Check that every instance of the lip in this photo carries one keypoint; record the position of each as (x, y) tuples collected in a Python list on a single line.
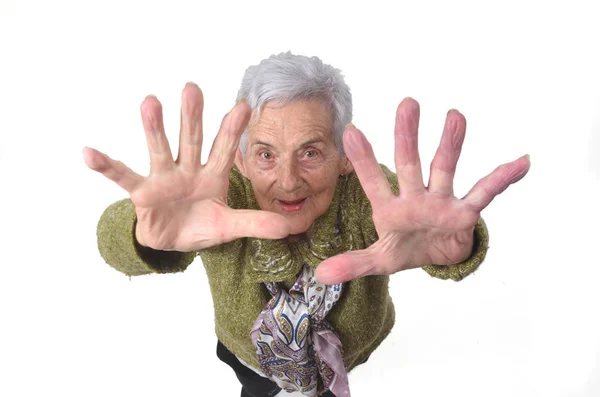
[(292, 205)]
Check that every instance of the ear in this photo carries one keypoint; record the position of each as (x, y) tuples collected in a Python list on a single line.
[(239, 162), (347, 167)]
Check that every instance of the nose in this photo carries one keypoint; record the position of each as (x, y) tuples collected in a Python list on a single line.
[(289, 175)]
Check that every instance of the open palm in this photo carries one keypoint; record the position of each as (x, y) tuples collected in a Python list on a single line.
[(421, 225), (182, 204)]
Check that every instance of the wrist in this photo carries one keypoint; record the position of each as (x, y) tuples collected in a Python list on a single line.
[(137, 238)]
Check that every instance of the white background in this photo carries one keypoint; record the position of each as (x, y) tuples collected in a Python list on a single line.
[(524, 73)]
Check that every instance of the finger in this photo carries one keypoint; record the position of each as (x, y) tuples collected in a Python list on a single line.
[(227, 141), (161, 158), (346, 267), (371, 177), (443, 166), (484, 191), (408, 164), (257, 224), (114, 170), (190, 135)]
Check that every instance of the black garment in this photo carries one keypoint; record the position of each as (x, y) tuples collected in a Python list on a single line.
[(253, 385)]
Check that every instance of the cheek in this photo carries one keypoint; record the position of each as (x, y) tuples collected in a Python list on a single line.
[(326, 168), (262, 183), (322, 183)]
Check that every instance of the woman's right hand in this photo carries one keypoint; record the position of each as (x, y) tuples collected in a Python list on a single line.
[(182, 204)]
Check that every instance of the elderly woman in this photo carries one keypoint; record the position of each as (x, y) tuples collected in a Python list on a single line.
[(300, 235)]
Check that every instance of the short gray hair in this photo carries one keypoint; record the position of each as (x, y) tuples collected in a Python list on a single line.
[(284, 78)]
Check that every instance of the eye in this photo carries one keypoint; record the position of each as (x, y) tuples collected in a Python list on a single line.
[(310, 153), (265, 155)]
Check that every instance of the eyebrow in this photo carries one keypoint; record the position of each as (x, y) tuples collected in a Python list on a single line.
[(312, 141), (304, 144), (261, 143)]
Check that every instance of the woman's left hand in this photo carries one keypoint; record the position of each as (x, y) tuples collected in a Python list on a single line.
[(422, 225)]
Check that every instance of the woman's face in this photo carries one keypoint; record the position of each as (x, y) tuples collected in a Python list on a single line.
[(292, 161)]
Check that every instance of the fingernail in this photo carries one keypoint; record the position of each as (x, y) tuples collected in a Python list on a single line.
[(527, 156), (350, 130), (451, 110), (355, 135)]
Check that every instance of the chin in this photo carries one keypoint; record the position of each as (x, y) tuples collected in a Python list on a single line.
[(298, 230), (299, 227)]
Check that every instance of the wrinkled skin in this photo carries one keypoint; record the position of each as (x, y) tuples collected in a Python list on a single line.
[(422, 225), (292, 156)]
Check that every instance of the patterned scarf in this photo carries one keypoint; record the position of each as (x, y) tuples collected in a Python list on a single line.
[(296, 347)]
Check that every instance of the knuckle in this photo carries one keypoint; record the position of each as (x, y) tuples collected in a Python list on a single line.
[(456, 140)]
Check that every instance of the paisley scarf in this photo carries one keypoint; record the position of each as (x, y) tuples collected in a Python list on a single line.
[(296, 347)]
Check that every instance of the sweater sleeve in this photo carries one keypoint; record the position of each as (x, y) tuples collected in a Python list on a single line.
[(455, 272), (119, 248)]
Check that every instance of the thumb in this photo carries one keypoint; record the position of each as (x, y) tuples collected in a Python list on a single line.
[(252, 223), (345, 267)]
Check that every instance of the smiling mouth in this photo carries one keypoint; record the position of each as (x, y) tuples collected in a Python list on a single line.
[(292, 206)]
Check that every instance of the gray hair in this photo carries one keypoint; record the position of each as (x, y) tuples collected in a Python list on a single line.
[(284, 78)]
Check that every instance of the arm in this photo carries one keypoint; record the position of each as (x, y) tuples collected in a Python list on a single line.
[(118, 247)]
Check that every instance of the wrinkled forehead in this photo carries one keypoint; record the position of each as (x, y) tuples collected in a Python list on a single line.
[(301, 117)]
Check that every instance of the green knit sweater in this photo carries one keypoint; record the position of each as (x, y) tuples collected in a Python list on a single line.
[(364, 315)]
